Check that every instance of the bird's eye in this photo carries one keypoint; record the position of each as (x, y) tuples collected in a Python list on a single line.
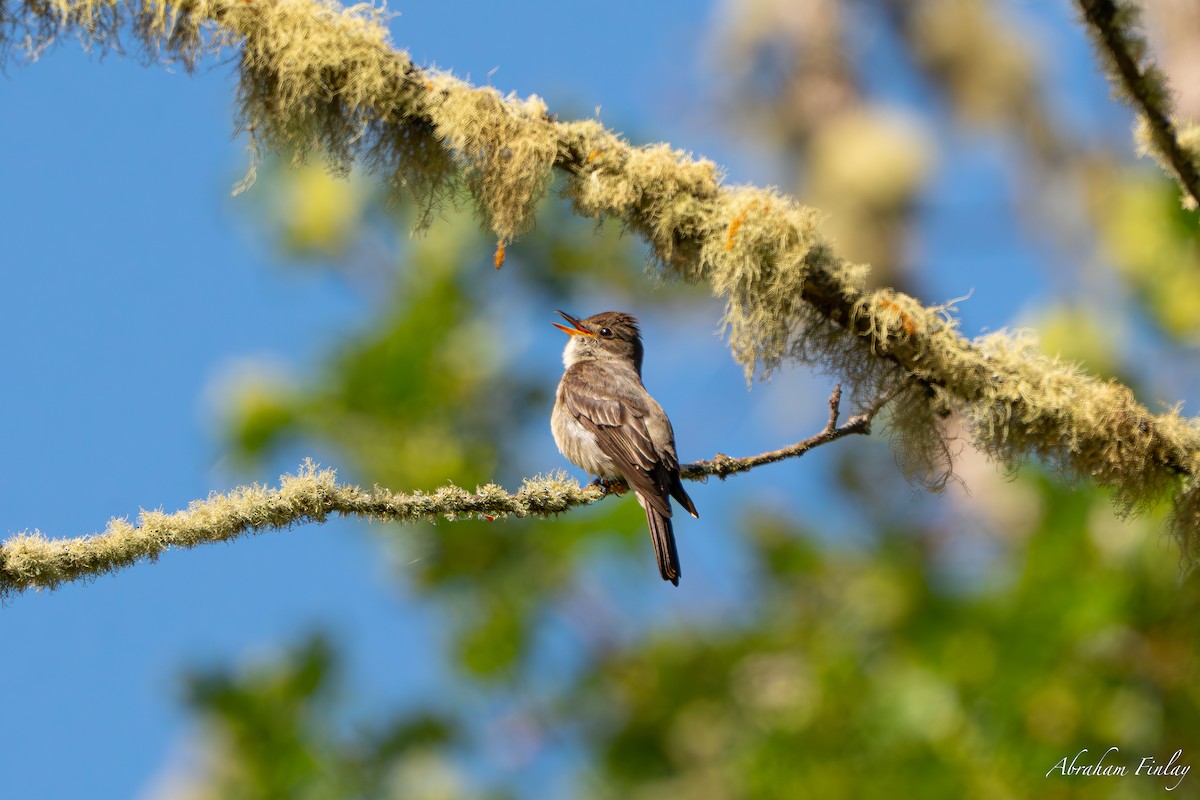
[(606, 333)]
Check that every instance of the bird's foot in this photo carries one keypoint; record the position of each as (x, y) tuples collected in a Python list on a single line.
[(615, 486)]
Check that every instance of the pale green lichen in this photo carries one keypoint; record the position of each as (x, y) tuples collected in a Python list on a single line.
[(1090, 428), (505, 148)]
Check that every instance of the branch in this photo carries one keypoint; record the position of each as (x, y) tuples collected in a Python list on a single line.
[(723, 466), (31, 561), (314, 76), (1113, 26)]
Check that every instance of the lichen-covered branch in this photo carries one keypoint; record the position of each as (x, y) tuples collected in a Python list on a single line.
[(1114, 25), (314, 76), (31, 561)]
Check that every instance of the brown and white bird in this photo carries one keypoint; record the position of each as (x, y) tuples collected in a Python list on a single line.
[(604, 421)]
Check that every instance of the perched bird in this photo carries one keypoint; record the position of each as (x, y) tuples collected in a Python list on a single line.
[(604, 421)]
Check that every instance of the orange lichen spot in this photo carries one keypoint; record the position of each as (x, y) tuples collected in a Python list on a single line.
[(906, 321), (429, 85), (736, 225), (498, 258), (592, 156)]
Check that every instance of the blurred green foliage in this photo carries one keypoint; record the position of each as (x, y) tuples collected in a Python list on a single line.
[(272, 734), (861, 675), (1154, 244)]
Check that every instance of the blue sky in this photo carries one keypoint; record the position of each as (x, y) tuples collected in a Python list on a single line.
[(134, 281)]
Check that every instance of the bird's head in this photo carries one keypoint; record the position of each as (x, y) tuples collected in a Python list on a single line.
[(609, 335)]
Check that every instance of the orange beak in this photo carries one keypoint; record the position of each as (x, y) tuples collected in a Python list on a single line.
[(577, 327)]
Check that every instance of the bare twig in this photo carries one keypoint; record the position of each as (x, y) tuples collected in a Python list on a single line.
[(723, 466)]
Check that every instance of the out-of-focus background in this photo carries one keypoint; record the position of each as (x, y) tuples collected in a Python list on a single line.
[(838, 633)]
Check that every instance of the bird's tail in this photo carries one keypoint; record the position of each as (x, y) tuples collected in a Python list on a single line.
[(663, 537), (679, 494)]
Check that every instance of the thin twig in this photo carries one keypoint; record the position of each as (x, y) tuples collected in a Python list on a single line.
[(723, 466)]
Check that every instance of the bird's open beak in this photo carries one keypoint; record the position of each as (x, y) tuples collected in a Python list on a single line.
[(577, 328)]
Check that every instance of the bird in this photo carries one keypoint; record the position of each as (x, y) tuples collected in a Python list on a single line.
[(605, 422)]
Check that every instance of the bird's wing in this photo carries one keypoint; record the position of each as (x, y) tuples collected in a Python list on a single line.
[(618, 422)]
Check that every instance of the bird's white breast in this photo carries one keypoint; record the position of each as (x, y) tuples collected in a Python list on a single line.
[(579, 445)]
